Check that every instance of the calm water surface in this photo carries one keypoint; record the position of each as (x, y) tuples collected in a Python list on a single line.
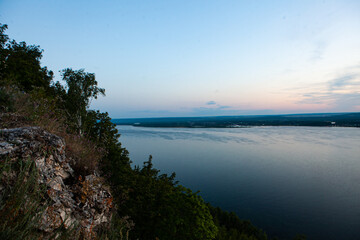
[(286, 180)]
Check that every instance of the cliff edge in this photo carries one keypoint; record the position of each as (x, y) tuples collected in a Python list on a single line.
[(80, 203)]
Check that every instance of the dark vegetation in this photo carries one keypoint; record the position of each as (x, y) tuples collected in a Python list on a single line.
[(159, 207), (316, 120), (15, 222)]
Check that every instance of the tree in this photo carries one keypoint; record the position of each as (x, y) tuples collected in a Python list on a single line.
[(232, 227), (99, 128), (3, 39), (20, 64), (163, 209), (20, 69), (81, 88)]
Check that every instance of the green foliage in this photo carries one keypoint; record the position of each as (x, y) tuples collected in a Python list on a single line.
[(162, 209), (81, 87), (6, 101), (99, 128), (20, 204), (232, 227), (3, 37), (20, 64), (119, 229)]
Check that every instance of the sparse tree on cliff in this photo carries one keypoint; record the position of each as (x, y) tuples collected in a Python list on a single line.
[(81, 87)]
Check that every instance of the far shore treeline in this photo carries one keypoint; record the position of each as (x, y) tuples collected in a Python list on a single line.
[(310, 119), (149, 205)]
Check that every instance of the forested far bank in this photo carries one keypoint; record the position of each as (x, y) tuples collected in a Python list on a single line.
[(310, 119)]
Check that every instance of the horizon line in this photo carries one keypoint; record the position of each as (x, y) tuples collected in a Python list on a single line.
[(242, 115)]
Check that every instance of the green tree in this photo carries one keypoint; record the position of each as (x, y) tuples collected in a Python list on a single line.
[(20, 64), (163, 209), (3, 52), (3, 37), (99, 128), (81, 87), (232, 227)]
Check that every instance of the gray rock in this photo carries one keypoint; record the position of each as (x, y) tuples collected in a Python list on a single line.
[(85, 204)]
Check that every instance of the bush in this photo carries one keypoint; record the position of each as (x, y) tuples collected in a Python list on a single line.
[(232, 227), (163, 209)]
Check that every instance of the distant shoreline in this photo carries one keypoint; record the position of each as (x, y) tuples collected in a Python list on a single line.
[(304, 120), (149, 126)]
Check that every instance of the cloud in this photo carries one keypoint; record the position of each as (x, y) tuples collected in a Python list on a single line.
[(223, 107), (211, 103), (341, 93), (347, 80), (214, 105), (212, 108)]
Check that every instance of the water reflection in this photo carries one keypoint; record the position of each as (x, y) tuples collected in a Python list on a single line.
[(285, 179), (275, 135)]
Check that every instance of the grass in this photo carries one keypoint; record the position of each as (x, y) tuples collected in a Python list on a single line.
[(22, 200), (36, 109)]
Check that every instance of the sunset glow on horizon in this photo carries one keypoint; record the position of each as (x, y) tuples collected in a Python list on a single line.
[(201, 58)]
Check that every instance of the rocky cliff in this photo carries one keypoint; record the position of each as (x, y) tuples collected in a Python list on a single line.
[(82, 203)]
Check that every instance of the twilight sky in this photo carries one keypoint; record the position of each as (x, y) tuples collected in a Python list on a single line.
[(201, 58)]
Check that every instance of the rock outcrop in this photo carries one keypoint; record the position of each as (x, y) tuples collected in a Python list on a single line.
[(83, 203)]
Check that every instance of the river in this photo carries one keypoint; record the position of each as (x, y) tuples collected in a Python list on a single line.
[(285, 180)]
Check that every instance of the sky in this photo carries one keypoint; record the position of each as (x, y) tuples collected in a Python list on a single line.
[(201, 58)]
